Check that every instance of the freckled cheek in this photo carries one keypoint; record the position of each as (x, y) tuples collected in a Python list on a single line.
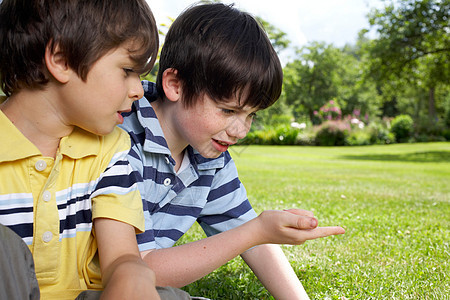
[(215, 122)]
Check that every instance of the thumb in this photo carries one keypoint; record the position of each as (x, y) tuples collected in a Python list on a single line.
[(300, 222)]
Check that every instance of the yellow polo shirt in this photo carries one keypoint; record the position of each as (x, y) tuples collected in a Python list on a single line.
[(51, 203)]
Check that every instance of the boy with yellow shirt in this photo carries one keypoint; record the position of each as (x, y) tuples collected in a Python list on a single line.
[(69, 69)]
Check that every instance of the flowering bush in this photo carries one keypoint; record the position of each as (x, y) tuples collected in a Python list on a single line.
[(328, 112), (347, 130)]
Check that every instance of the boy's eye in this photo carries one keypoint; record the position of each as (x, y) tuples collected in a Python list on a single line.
[(128, 71), (227, 111), (253, 116)]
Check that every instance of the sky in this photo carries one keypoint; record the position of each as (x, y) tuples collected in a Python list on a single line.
[(332, 21)]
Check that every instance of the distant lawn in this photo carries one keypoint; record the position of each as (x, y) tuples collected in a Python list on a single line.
[(393, 201)]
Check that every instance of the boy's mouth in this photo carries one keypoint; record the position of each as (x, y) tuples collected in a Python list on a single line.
[(221, 146), (221, 143)]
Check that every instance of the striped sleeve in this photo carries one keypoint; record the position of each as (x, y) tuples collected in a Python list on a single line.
[(227, 204), (116, 195)]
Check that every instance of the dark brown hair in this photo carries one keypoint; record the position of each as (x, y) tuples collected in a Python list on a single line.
[(84, 30), (223, 52)]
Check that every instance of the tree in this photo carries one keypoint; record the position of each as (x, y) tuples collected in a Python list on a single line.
[(308, 81), (323, 72), (280, 42), (277, 37), (412, 47)]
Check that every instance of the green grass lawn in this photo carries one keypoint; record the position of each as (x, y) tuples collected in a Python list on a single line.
[(393, 201)]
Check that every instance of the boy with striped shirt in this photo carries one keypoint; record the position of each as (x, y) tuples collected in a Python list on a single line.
[(217, 69)]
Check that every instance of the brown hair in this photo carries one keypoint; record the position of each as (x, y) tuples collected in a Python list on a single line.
[(223, 52), (84, 30)]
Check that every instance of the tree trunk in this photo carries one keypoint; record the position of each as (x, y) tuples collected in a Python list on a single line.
[(432, 105)]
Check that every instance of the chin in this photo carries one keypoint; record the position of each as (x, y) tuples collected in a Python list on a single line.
[(104, 131), (208, 151), (211, 155)]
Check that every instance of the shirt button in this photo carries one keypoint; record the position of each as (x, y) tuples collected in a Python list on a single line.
[(167, 160), (47, 196), (40, 165), (47, 236), (167, 181)]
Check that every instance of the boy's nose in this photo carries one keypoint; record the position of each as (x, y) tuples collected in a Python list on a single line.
[(239, 127), (136, 91)]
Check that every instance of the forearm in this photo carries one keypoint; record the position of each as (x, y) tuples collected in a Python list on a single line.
[(129, 278), (124, 274), (181, 265), (272, 268)]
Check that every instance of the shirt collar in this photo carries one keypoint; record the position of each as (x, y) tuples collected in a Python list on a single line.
[(16, 146), (80, 143), (155, 141), (203, 163)]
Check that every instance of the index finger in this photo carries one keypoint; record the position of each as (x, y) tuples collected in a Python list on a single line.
[(321, 232)]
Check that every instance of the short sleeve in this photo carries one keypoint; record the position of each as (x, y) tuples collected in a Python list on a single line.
[(227, 204), (116, 195)]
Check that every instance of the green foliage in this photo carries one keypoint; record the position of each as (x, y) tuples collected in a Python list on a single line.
[(277, 37), (412, 51), (276, 120), (446, 134), (358, 138), (380, 133), (287, 135), (405, 68), (402, 128), (393, 201), (308, 81), (306, 138), (409, 31), (332, 133), (323, 72), (275, 135)]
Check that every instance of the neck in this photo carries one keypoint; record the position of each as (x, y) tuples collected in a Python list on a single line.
[(176, 143), (34, 114)]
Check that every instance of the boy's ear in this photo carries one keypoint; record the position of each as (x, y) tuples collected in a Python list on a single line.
[(171, 84), (56, 63)]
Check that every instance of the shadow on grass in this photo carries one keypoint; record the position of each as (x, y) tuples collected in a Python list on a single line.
[(425, 157)]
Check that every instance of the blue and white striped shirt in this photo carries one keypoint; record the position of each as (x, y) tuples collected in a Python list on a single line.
[(208, 190)]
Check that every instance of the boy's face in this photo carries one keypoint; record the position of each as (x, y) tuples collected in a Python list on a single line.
[(211, 127), (110, 88)]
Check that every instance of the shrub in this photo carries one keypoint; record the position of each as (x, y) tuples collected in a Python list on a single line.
[(329, 111), (332, 133), (425, 138), (446, 133), (276, 120), (358, 138), (306, 138), (258, 137), (279, 135), (286, 135), (402, 128), (379, 132)]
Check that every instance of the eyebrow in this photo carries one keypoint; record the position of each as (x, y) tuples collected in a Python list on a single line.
[(240, 107)]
